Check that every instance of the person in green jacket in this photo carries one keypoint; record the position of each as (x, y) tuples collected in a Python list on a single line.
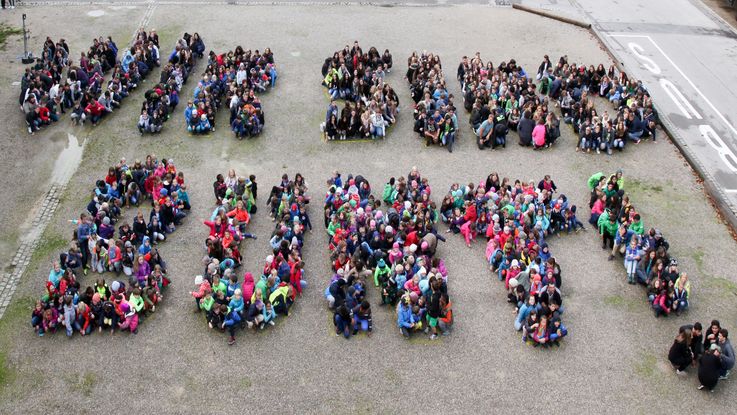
[(218, 285), (207, 302), (637, 226), (136, 301), (619, 178), (595, 180), (390, 193), (382, 270), (608, 229)]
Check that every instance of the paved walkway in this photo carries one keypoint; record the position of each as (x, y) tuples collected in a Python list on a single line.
[(9, 280), (685, 54)]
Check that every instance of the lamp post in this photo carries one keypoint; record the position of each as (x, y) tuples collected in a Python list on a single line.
[(27, 57)]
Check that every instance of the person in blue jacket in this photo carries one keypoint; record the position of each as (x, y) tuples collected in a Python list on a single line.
[(236, 303), (405, 319), (203, 126), (232, 321), (524, 312), (558, 331), (343, 320)]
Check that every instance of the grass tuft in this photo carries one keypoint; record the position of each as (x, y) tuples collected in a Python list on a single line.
[(18, 309), (645, 367), (7, 31)]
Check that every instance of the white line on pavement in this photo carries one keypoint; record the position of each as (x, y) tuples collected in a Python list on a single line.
[(721, 116)]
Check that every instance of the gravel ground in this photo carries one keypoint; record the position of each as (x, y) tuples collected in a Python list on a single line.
[(613, 361)]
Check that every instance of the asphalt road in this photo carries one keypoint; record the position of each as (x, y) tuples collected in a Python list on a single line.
[(684, 53)]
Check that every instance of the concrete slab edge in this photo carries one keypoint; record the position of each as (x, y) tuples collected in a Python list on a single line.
[(550, 15)]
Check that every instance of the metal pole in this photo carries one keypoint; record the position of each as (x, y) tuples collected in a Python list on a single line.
[(25, 38), (27, 57)]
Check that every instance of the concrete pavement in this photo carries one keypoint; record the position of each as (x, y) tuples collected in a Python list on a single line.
[(684, 54)]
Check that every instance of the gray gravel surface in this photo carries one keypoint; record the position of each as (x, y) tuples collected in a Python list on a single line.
[(614, 360)]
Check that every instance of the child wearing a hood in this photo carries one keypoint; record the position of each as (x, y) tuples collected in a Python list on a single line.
[(130, 319)]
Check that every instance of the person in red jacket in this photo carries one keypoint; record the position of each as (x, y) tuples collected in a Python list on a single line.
[(82, 321), (44, 115), (94, 111), (217, 228), (445, 322)]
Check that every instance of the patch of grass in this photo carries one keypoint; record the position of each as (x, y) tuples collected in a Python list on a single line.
[(634, 185), (698, 257), (7, 374), (618, 301), (51, 243), (646, 365), (392, 376), (363, 406), (18, 309), (245, 383), (7, 31), (720, 286), (84, 384)]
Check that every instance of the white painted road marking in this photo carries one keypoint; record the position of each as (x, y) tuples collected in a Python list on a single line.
[(681, 102), (721, 116)]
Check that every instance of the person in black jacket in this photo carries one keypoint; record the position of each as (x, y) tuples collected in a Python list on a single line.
[(500, 131), (525, 127), (680, 353), (697, 339), (433, 307), (362, 318), (709, 367), (216, 317)]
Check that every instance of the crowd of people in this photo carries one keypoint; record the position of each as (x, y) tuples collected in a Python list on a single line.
[(84, 92), (516, 219), (710, 350), (358, 78), (235, 77), (106, 243), (434, 111), (644, 250), (506, 98), (230, 304), (162, 99), (394, 248), (127, 74)]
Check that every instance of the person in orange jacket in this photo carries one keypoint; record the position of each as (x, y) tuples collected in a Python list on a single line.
[(240, 213), (445, 322)]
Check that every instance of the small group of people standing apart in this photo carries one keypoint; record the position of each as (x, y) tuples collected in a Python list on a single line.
[(710, 350), (230, 303), (644, 250), (100, 248), (516, 218), (393, 248), (434, 111), (358, 78), (234, 78)]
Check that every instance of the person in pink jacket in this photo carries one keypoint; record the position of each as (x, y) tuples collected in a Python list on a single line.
[(538, 134), (203, 289), (248, 286), (468, 230)]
